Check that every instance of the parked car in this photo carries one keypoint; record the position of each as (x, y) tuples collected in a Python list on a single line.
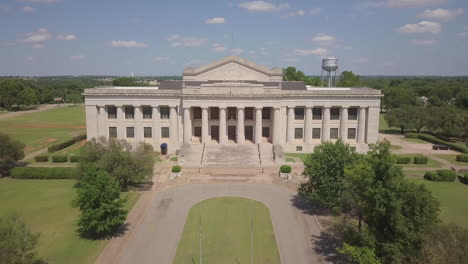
[(440, 147)]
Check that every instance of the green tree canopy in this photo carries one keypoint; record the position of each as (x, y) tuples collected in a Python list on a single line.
[(11, 150), (349, 79), (125, 81)]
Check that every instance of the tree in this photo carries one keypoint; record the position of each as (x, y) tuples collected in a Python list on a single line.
[(292, 74), (395, 97), (325, 171), (445, 244), (361, 255), (17, 243), (400, 117), (27, 96), (11, 150), (447, 120), (419, 116), (125, 81), (349, 79), (101, 208), (462, 99)]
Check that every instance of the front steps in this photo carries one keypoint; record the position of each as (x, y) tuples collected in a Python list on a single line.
[(230, 155)]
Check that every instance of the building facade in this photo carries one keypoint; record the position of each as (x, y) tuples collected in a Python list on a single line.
[(234, 101)]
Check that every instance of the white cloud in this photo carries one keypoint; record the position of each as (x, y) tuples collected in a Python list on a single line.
[(421, 27), (315, 11), (442, 14), (237, 51), (160, 58), (362, 60), (77, 57), (215, 20), (66, 37), (302, 12), (127, 44), (217, 47), (41, 1), (262, 6), (405, 3), (423, 42), (178, 41), (28, 9), (323, 39), (303, 52), (37, 38), (38, 46)]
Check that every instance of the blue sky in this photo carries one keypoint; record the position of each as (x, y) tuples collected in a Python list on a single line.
[(151, 37)]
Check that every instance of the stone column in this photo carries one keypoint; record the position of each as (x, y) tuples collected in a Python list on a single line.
[(173, 129), (290, 128), (102, 121), (222, 125), (258, 125), (92, 121), (308, 125), (138, 124), (325, 124), (362, 125), (276, 125), (372, 125), (344, 123), (204, 125), (120, 123), (240, 126), (187, 126), (156, 128)]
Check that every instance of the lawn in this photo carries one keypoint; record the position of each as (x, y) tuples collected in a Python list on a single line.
[(452, 158), (45, 205), (413, 173), (385, 128), (226, 225), (430, 162), (41, 129), (452, 197), (302, 156)]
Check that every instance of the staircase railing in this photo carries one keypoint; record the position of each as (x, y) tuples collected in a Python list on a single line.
[(202, 154), (259, 154)]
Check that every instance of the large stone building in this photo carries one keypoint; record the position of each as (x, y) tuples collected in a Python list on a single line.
[(234, 101)]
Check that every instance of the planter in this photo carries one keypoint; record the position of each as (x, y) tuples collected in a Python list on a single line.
[(286, 176), (175, 175)]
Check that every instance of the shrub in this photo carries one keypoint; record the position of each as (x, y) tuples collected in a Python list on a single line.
[(420, 160), (462, 158), (64, 144), (42, 173), (59, 158), (176, 169), (436, 140), (411, 135), (285, 169), (441, 175), (74, 158), (403, 160), (430, 175), (41, 158), (465, 178)]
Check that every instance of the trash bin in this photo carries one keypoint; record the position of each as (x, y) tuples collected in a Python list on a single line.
[(163, 149)]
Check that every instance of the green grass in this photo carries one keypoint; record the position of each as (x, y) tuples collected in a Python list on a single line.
[(41, 129), (173, 158), (452, 159), (430, 162), (45, 205), (395, 147), (385, 128), (290, 160), (415, 140), (226, 225), (414, 172), (452, 197), (302, 156)]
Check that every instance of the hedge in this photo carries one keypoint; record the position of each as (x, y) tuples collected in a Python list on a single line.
[(462, 158), (41, 158), (59, 158), (64, 144), (285, 169), (74, 158), (420, 160), (436, 140), (441, 175), (403, 160), (176, 169), (464, 179), (42, 173)]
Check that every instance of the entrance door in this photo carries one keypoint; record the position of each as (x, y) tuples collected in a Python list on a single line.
[(215, 133), (231, 132), (249, 133)]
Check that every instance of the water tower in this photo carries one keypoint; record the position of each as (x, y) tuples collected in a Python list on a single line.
[(330, 66)]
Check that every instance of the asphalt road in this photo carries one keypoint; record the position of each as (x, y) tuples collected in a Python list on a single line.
[(156, 237)]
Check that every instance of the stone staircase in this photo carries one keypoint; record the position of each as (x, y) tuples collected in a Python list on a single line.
[(193, 155), (231, 155), (266, 154)]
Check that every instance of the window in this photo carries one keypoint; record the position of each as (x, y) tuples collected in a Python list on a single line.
[(333, 133), (147, 112), (352, 113), (351, 133), (164, 132), (298, 148), (232, 113), (164, 112), (197, 113), (299, 113), (148, 132), (334, 113), (214, 113), (316, 133), (129, 112), (111, 112), (197, 132), (130, 132), (266, 132), (298, 133), (249, 113), (112, 132), (317, 113), (266, 113)]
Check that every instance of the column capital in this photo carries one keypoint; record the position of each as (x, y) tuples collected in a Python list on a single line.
[(204, 107), (345, 107), (240, 108), (258, 107)]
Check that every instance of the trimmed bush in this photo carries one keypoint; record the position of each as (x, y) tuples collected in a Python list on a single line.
[(41, 158), (74, 158), (285, 169), (436, 140), (430, 175), (465, 178), (441, 175), (420, 160), (176, 169), (403, 160), (411, 135), (462, 158), (59, 158), (64, 144), (42, 173)]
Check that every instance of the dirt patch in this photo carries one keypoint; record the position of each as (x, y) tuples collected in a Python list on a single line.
[(50, 140), (46, 126)]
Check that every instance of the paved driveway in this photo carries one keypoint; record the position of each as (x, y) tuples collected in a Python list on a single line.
[(157, 235)]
